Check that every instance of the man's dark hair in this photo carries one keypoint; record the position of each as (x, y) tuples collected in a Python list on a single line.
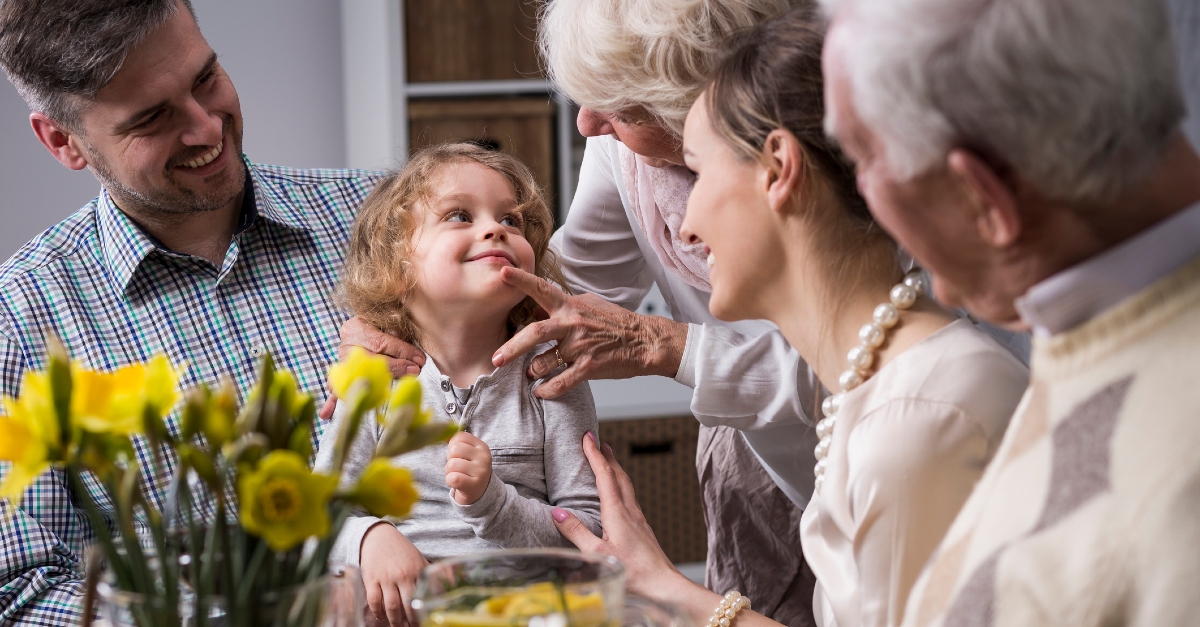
[(55, 51)]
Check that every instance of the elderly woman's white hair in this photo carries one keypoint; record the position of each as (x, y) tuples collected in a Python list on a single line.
[(613, 55), (1079, 97)]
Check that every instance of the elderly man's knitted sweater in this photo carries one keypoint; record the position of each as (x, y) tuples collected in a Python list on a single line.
[(1089, 513)]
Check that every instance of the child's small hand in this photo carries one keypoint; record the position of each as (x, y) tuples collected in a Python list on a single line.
[(390, 565), (468, 467)]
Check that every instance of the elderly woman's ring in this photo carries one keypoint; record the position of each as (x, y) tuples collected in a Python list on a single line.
[(561, 363)]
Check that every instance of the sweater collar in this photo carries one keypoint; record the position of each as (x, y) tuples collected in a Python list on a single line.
[(1085, 290)]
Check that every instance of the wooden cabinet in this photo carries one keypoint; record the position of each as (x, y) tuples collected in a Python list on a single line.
[(420, 71), (471, 40), (659, 454), (522, 127), (459, 50)]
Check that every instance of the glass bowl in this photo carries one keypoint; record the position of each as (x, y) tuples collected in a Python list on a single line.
[(522, 588)]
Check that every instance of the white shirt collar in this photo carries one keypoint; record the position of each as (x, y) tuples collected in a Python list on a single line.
[(1083, 291)]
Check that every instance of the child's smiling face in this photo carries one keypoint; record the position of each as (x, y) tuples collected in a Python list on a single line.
[(468, 229)]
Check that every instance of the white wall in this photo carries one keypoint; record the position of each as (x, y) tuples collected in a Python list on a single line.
[(1186, 16), (285, 58), (35, 190)]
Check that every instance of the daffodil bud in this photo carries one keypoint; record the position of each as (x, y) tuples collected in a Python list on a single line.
[(406, 393), (195, 410), (197, 460), (58, 373), (300, 440), (400, 441), (252, 415), (361, 377), (384, 489), (277, 413), (220, 416)]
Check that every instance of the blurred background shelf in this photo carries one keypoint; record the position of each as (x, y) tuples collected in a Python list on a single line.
[(410, 65)]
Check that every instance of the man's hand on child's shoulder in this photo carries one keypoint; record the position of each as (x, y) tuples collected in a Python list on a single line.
[(468, 467), (390, 565)]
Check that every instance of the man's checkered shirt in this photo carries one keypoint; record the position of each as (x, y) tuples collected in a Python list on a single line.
[(115, 297)]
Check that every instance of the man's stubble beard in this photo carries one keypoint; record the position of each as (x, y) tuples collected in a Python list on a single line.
[(173, 199)]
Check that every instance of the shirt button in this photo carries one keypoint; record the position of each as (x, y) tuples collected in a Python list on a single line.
[(445, 386), (451, 408)]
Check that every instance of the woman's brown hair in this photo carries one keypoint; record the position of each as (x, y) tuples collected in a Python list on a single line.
[(772, 80), (378, 275)]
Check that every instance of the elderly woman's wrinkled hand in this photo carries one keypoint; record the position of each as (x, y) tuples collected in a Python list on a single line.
[(627, 535), (596, 339)]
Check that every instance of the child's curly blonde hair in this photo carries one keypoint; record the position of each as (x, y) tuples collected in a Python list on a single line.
[(378, 276)]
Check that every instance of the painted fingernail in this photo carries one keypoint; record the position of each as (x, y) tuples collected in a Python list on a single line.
[(607, 448), (593, 437), (498, 359), (559, 514)]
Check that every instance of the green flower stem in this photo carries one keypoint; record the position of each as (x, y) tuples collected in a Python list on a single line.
[(118, 565), (142, 577), (198, 568), (316, 567), (247, 584), (168, 565), (349, 429)]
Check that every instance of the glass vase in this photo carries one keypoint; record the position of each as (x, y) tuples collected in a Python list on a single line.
[(334, 600)]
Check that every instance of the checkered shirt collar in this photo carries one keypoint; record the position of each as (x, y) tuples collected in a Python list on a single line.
[(126, 245)]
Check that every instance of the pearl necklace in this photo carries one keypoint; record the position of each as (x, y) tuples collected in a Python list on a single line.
[(871, 336)]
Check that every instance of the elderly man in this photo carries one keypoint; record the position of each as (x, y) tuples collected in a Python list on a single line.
[(1029, 154), (189, 250)]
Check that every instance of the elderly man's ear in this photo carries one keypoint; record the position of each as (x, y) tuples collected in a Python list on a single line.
[(61, 143), (993, 198)]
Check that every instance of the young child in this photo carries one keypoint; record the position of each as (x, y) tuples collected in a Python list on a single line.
[(424, 263)]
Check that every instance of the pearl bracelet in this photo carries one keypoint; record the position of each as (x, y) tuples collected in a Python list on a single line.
[(733, 603)]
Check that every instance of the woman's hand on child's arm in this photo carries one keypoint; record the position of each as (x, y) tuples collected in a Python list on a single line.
[(390, 565), (403, 358), (468, 467)]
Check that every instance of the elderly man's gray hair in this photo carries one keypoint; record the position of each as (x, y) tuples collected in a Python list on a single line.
[(53, 50), (1079, 97)]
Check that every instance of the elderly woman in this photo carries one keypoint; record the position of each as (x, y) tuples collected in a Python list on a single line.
[(635, 67), (923, 397)]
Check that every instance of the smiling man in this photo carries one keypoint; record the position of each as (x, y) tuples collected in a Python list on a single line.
[(189, 250), (1029, 153)]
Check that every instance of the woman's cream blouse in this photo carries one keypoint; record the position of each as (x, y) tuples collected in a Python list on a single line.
[(907, 449)]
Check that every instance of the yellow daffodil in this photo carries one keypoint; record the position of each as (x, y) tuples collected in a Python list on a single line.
[(30, 437), (118, 402), (369, 372), (384, 489), (283, 502), (92, 402), (28, 453)]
